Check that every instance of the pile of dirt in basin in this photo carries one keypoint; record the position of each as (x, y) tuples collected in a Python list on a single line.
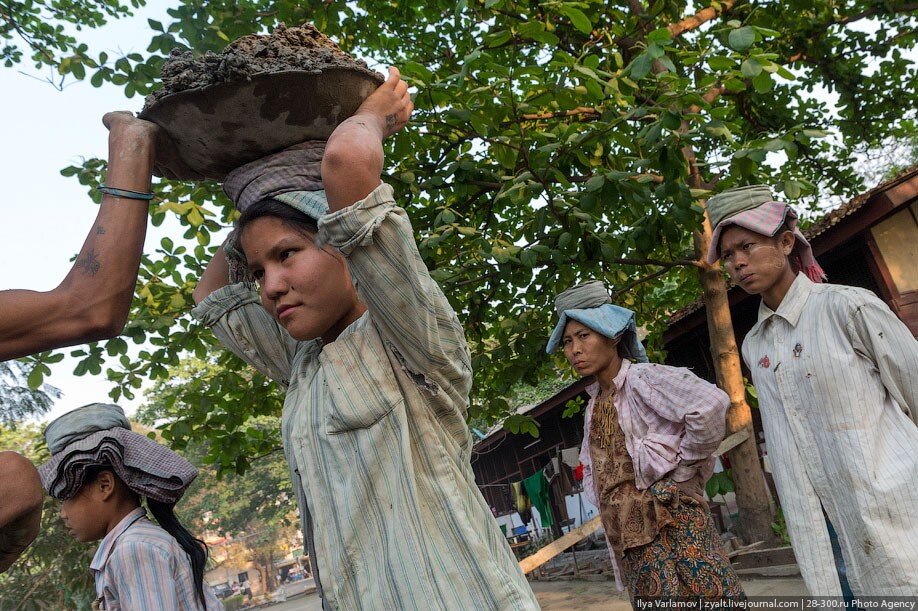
[(301, 48)]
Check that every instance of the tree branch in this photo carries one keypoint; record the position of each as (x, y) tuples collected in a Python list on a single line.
[(654, 178), (699, 18), (641, 280), (580, 111)]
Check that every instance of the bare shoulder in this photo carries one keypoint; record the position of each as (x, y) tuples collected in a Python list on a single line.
[(18, 471), (20, 482)]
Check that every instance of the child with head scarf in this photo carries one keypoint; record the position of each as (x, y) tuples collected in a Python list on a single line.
[(835, 372), (101, 471), (650, 432)]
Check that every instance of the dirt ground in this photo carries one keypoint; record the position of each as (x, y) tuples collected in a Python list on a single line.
[(589, 595), (602, 595)]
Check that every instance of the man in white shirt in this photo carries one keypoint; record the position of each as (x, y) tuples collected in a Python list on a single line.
[(837, 379)]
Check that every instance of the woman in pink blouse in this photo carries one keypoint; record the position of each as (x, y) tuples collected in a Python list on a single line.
[(650, 434)]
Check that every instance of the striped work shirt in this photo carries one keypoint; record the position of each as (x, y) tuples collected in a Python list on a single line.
[(837, 378), (374, 430), (673, 422), (141, 567)]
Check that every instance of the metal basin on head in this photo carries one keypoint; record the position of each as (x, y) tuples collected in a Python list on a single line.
[(220, 127)]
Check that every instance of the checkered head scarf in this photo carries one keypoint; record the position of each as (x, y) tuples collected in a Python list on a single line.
[(99, 435), (754, 208), (292, 177), (590, 305)]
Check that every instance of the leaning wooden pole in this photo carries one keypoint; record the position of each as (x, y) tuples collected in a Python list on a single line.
[(755, 507), (756, 513)]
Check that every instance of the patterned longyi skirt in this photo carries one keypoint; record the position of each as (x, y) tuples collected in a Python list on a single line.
[(685, 560)]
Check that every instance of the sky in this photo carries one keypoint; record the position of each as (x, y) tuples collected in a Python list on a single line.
[(44, 217)]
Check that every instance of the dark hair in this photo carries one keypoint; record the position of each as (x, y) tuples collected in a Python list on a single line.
[(91, 474), (194, 547), (288, 215)]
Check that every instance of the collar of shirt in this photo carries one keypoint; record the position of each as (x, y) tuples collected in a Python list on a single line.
[(791, 306), (108, 543), (618, 380)]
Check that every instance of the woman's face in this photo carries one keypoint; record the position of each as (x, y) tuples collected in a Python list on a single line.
[(82, 516), (588, 351), (306, 289)]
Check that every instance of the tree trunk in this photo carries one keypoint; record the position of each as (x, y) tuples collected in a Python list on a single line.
[(272, 572), (752, 496)]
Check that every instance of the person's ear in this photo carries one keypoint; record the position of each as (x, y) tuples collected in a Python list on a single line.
[(786, 241), (105, 485)]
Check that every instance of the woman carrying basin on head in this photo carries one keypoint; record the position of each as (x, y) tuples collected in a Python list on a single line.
[(345, 315)]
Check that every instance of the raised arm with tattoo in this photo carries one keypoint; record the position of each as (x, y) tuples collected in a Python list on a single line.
[(354, 155), (93, 300)]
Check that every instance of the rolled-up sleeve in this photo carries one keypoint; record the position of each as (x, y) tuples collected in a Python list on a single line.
[(408, 307), (679, 396), (235, 315)]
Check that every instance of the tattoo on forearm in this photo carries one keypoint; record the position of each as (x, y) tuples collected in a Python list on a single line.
[(100, 230), (392, 119), (90, 264)]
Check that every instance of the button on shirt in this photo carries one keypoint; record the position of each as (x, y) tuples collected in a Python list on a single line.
[(673, 422), (837, 379), (374, 430), (141, 567)]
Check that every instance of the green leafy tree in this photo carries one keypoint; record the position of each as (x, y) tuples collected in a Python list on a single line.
[(23, 393), (553, 141), (45, 32)]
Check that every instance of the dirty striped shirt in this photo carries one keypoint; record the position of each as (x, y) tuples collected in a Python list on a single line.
[(837, 379), (374, 430)]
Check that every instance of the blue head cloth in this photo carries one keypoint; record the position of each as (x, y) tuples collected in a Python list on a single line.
[(83, 422), (590, 305)]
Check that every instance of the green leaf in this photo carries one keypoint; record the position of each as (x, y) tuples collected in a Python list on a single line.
[(763, 83), (180, 429), (751, 68), (660, 36), (791, 188), (35, 379), (655, 51), (578, 18), (712, 487), (719, 63), (641, 66), (741, 39), (595, 183), (672, 120), (773, 145), (497, 39)]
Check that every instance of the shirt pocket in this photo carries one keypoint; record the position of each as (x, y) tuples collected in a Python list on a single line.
[(361, 382)]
